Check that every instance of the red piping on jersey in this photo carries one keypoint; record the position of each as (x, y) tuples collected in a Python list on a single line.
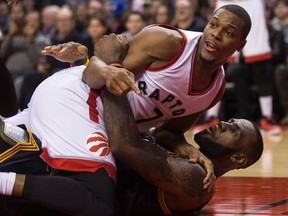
[(219, 95), (179, 53), (253, 59), (77, 165), (93, 112)]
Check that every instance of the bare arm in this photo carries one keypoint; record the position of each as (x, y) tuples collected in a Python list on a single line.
[(179, 179), (176, 128), (144, 50)]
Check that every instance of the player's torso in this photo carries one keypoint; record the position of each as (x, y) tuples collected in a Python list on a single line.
[(68, 121), (166, 91)]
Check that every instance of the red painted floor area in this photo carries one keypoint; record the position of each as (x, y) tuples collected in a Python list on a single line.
[(249, 196)]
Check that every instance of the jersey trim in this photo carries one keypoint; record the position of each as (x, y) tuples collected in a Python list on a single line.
[(179, 53), (162, 202), (77, 165), (93, 112), (20, 146), (205, 90), (219, 94)]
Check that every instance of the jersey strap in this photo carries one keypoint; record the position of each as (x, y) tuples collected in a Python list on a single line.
[(162, 202), (31, 145)]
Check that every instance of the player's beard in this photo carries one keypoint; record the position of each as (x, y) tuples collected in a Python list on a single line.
[(210, 148)]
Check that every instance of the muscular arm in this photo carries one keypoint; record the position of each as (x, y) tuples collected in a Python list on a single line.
[(179, 179), (145, 50), (178, 127)]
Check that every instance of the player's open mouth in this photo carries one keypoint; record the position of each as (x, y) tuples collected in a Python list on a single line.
[(210, 47)]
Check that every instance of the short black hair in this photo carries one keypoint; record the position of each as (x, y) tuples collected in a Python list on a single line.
[(242, 14), (255, 151)]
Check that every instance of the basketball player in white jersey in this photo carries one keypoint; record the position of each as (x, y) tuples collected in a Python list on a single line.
[(79, 143), (179, 73)]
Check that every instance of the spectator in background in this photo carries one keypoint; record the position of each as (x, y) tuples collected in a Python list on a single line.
[(95, 7), (118, 10), (97, 27), (17, 13), (29, 5), (280, 22), (65, 32), (31, 81), (134, 23), (4, 17), (22, 47), (207, 9), (164, 14), (185, 16), (81, 18), (48, 20)]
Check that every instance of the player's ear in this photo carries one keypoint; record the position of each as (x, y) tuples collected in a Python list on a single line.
[(239, 159), (243, 43)]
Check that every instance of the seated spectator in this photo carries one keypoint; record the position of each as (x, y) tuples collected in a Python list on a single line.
[(164, 14), (65, 32), (97, 27), (185, 16), (134, 23)]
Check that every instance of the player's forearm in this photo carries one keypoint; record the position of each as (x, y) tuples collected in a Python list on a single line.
[(174, 142), (119, 121), (93, 74)]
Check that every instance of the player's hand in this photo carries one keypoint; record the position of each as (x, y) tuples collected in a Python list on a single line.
[(119, 81), (11, 2), (111, 48), (66, 52), (197, 157)]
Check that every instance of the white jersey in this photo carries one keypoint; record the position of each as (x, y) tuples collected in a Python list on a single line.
[(66, 114), (257, 47), (166, 91)]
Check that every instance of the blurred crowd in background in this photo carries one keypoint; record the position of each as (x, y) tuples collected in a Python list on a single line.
[(30, 25)]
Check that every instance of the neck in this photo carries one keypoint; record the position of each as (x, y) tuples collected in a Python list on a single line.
[(203, 72), (220, 168)]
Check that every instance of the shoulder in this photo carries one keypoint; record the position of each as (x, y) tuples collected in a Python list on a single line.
[(157, 42), (157, 33)]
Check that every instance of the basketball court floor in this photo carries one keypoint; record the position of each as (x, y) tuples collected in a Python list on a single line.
[(261, 189)]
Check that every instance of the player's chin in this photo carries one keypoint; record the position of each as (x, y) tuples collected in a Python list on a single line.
[(199, 136), (203, 135), (208, 57)]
